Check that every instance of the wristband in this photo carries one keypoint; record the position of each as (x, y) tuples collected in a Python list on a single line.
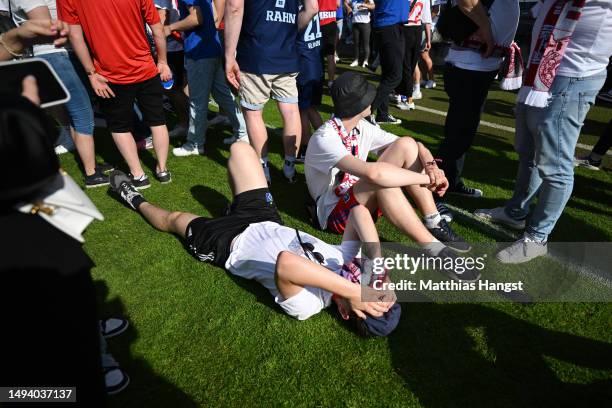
[(434, 162)]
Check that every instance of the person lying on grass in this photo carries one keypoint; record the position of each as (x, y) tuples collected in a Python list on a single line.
[(340, 179), (303, 273)]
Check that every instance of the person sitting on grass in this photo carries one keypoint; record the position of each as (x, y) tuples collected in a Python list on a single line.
[(339, 178), (303, 273)]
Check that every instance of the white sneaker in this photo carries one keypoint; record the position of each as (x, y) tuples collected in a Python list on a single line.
[(365, 64), (402, 105), (430, 84), (354, 63), (411, 105), (61, 149), (522, 250), (336, 57), (188, 149), (417, 95), (498, 215), (149, 142), (219, 120), (177, 132)]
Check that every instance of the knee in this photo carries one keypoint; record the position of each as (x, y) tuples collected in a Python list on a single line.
[(240, 149), (407, 145)]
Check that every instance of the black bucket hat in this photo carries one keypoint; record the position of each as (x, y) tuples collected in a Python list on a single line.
[(351, 93)]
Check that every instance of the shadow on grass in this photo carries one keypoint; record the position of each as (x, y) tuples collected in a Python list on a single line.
[(469, 355), (147, 388)]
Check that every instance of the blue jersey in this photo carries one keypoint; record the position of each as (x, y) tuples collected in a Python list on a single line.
[(389, 12), (203, 41), (267, 43), (309, 49)]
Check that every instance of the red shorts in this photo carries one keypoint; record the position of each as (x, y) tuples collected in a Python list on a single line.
[(336, 222)]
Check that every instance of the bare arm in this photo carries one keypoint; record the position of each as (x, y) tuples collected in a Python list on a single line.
[(478, 14), (160, 44), (233, 23), (218, 11), (33, 32), (193, 20), (311, 8), (98, 83), (381, 173), (347, 4)]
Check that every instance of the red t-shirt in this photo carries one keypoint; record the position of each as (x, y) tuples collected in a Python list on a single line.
[(115, 33), (327, 11)]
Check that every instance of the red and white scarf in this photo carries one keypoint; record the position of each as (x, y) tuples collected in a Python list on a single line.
[(349, 140), (548, 48)]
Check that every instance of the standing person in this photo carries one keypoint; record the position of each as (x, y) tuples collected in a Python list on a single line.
[(205, 74), (261, 61), (309, 80), (79, 108), (340, 25), (329, 29), (423, 51), (122, 71), (360, 9), (550, 114), (468, 74), (168, 14), (388, 17)]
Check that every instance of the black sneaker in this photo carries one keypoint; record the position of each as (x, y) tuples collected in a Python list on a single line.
[(141, 182), (388, 120), (465, 276), (445, 234), (372, 120), (104, 167), (587, 162), (122, 184), (465, 191), (97, 179), (444, 212), (163, 177)]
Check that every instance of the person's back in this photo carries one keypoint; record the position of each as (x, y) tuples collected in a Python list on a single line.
[(268, 37), (115, 32)]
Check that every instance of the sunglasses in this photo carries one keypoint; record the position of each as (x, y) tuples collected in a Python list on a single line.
[(309, 250)]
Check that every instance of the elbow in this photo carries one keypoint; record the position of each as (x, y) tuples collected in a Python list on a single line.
[(233, 7), (373, 173)]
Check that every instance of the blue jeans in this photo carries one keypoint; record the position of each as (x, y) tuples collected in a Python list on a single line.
[(79, 105), (204, 76), (545, 142)]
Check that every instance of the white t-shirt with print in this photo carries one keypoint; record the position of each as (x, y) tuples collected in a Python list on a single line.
[(325, 150), (360, 15), (420, 13), (504, 17), (254, 254)]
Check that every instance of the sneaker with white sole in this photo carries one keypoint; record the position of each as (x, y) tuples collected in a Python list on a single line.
[(444, 212), (587, 162), (188, 149), (164, 176), (98, 179), (141, 182), (61, 149), (122, 184), (372, 120), (411, 105), (402, 105), (465, 191), (417, 95), (606, 96), (336, 57), (178, 131), (498, 215), (113, 327), (365, 64), (289, 171), (388, 120), (445, 234), (522, 250), (115, 380), (430, 84), (354, 63)]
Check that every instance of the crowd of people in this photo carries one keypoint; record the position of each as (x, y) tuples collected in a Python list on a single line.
[(126, 59)]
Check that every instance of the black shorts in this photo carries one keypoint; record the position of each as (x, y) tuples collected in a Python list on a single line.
[(330, 32), (310, 94), (209, 239), (119, 111), (176, 62)]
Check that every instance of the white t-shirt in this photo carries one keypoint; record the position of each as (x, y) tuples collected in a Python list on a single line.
[(325, 150), (254, 257), (420, 13), (590, 48), (504, 16), (360, 15), (21, 7), (172, 15)]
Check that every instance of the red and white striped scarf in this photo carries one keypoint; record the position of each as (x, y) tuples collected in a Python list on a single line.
[(349, 140)]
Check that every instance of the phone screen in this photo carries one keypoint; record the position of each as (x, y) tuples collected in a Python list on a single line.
[(51, 90)]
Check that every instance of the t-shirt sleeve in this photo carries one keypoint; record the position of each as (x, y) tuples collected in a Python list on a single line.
[(67, 12), (426, 16), (380, 138), (149, 12), (28, 5), (326, 151)]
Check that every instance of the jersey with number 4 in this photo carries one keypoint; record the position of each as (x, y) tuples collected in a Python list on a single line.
[(267, 43), (309, 48)]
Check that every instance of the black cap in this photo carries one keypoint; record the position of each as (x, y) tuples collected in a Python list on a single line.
[(27, 138), (351, 93)]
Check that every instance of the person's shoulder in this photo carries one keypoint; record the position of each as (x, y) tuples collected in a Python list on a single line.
[(324, 132)]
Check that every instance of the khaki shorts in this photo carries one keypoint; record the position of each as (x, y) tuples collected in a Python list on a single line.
[(257, 89)]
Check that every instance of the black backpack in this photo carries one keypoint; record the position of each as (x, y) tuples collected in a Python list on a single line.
[(455, 26)]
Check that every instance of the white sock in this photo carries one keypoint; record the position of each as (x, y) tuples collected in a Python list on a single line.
[(432, 220), (417, 88), (434, 247)]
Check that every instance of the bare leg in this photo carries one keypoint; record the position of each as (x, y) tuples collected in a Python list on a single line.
[(428, 65), (127, 147), (360, 227), (292, 129), (161, 141), (404, 153), (85, 146), (256, 128), (331, 68), (244, 168), (174, 222)]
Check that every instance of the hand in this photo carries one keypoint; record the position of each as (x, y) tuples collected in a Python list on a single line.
[(232, 72), (427, 46), (167, 30), (164, 71), (30, 90), (100, 86), (375, 309), (437, 180), (43, 31)]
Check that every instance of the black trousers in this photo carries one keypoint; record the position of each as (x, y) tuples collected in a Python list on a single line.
[(467, 92), (605, 141), (361, 40), (412, 42), (390, 40)]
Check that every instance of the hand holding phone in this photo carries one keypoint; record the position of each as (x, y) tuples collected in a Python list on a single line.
[(51, 90)]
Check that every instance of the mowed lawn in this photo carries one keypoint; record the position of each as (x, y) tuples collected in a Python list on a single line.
[(200, 337)]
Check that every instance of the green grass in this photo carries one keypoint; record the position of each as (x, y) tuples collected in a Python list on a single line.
[(200, 337)]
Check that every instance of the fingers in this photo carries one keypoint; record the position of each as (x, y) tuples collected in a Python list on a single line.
[(30, 90), (360, 314)]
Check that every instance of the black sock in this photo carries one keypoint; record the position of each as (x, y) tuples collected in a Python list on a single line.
[(136, 201)]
